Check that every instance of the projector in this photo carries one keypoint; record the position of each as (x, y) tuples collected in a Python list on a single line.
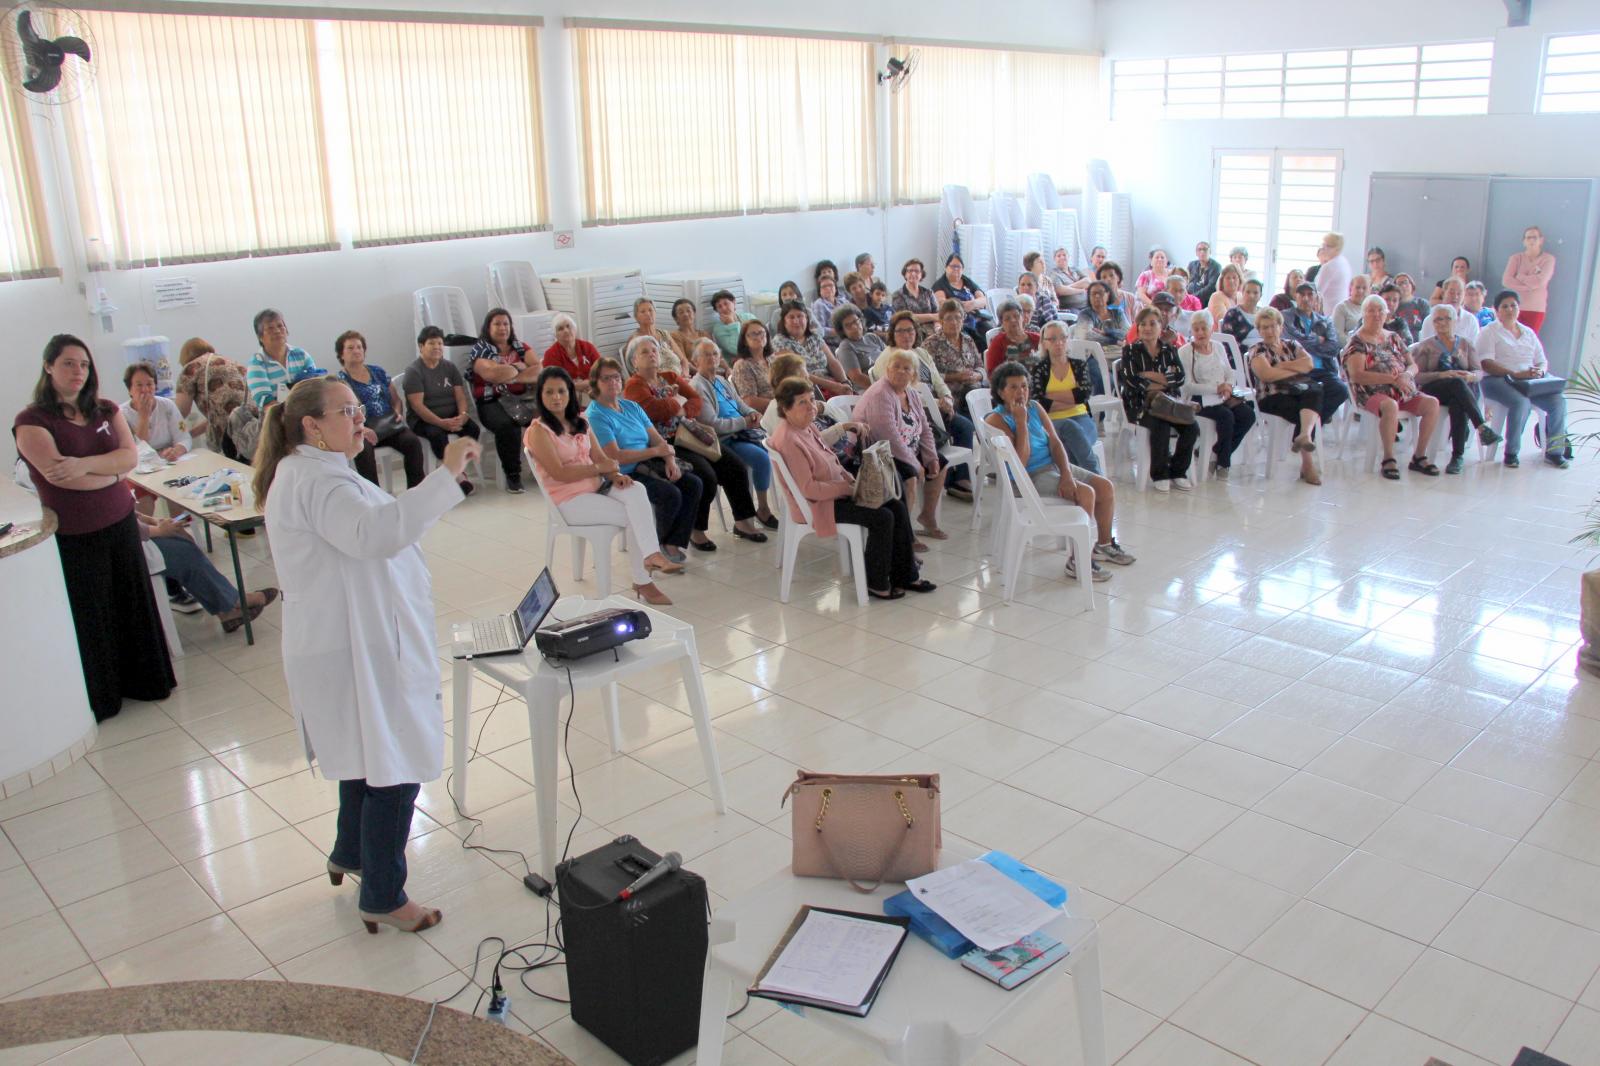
[(601, 631)]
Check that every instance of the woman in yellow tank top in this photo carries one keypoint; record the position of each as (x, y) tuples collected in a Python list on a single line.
[(1062, 384)]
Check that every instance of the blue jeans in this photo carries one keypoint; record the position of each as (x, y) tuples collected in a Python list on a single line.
[(756, 458), (373, 826), (1079, 435), (1553, 403), (189, 567)]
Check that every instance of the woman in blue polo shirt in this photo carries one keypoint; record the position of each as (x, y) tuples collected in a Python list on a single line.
[(626, 434)]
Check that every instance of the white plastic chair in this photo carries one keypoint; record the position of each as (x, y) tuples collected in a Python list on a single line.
[(852, 557), (979, 404), (1497, 417), (601, 536), (514, 285), (1028, 519), (840, 408), (1207, 441), (444, 306), (1013, 238), (954, 454), (1107, 404), (157, 565)]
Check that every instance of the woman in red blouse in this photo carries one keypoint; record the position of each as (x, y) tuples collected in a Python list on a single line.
[(572, 354), (78, 447), (673, 405)]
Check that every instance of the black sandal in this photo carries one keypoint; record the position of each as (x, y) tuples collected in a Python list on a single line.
[(892, 594), (922, 584), (1391, 469), (759, 538), (1421, 465), (703, 546)]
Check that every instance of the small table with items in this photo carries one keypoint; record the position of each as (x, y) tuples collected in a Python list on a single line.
[(173, 483), (544, 684), (931, 1011)]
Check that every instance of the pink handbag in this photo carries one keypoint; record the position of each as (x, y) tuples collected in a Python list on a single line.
[(865, 827)]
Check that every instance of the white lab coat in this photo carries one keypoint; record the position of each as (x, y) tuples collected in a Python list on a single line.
[(358, 626)]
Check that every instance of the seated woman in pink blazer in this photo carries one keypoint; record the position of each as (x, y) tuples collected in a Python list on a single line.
[(891, 564), (893, 412)]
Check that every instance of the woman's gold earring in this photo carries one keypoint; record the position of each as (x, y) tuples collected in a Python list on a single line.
[(323, 444)]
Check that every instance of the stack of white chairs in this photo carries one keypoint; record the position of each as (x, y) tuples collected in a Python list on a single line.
[(1108, 214), (1058, 224), (514, 285), (1013, 238), (445, 306), (600, 302), (960, 231)]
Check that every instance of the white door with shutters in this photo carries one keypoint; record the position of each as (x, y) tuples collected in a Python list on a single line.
[(1278, 203)]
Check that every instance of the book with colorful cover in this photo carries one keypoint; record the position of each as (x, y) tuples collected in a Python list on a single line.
[(1013, 964)]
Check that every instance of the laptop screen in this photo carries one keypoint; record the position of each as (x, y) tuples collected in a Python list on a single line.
[(536, 604)]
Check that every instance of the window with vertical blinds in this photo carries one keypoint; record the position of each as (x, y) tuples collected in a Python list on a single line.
[(676, 124), (971, 116), (430, 159), (24, 242), (199, 138)]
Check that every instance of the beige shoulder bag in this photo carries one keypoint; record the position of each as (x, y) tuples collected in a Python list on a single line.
[(865, 827)]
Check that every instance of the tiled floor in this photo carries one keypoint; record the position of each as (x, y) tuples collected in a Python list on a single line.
[(1319, 763)]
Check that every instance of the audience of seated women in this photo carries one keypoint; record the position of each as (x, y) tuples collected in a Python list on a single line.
[(1346, 317), (1453, 295), (1178, 289), (573, 469), (955, 285), (1074, 284), (1394, 323), (1013, 340), (436, 397), (1047, 300), (1473, 298), (573, 354), (1287, 388), (1384, 376), (1027, 425), (913, 297), (277, 364), (686, 334), (625, 433), (1448, 369), (78, 447), (215, 388), (1240, 322), (730, 321), (1150, 367), (889, 554), (1284, 301), (1517, 377), (1062, 385), (893, 411), (829, 299), (644, 317), (1044, 307), (384, 428), (1227, 293), (1211, 381), (874, 314), (1110, 274), (1103, 324), (750, 365), (735, 423), (1413, 309), (674, 409), (857, 349), (800, 335), (501, 377)]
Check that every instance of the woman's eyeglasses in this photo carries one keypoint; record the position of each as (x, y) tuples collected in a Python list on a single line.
[(349, 410)]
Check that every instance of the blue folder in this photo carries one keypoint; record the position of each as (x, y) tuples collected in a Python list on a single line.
[(944, 936)]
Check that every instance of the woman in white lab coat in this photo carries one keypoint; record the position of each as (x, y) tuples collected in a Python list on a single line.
[(358, 630)]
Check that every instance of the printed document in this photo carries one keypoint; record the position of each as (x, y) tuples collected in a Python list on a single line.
[(985, 906), (834, 958)]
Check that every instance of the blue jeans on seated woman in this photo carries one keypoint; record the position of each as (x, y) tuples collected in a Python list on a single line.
[(1547, 397), (1079, 436), (756, 458), (189, 567)]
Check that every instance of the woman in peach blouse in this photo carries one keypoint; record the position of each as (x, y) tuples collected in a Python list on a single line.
[(1528, 274), (572, 469)]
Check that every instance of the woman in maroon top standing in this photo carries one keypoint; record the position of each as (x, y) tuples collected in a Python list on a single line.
[(78, 447)]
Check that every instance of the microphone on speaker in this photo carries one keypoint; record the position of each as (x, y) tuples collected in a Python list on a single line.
[(669, 862)]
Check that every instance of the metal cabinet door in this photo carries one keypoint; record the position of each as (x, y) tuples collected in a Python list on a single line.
[(1422, 223), (1564, 210)]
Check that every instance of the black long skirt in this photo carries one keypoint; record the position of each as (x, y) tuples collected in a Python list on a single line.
[(120, 640)]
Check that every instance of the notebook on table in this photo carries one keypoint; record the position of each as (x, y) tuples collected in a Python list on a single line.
[(833, 960)]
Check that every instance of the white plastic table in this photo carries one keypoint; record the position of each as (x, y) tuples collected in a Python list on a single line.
[(543, 687), (931, 1011)]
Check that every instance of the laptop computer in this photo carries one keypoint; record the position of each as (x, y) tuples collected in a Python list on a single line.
[(507, 634)]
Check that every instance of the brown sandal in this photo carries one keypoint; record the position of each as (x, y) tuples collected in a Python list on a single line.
[(430, 918)]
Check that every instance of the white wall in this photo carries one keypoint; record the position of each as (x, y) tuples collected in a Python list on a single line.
[(1167, 164), (369, 289)]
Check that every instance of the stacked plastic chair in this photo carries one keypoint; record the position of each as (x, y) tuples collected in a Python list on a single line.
[(1013, 238), (960, 232), (1058, 224), (514, 285), (1108, 214)]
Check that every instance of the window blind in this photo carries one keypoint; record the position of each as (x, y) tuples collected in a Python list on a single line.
[(431, 158), (198, 138), (24, 241), (987, 118), (679, 124)]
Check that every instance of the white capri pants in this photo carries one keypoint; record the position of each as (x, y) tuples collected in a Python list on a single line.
[(628, 508)]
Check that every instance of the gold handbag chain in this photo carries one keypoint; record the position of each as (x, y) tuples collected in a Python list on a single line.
[(899, 799)]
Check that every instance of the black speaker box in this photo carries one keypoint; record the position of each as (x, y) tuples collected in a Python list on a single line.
[(634, 967)]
